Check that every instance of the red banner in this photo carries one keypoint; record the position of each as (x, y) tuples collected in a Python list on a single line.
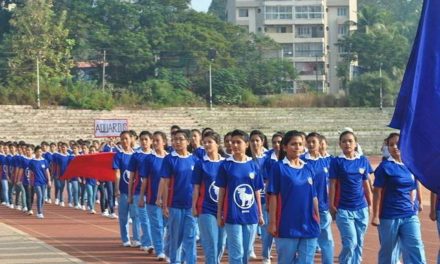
[(97, 166)]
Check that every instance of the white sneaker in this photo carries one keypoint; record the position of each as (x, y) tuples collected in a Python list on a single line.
[(40, 216), (150, 249), (161, 257), (70, 205), (130, 221), (98, 202), (113, 216), (116, 204), (3, 203), (252, 255), (30, 212), (18, 207), (78, 207), (49, 201), (136, 243), (92, 212), (266, 261), (57, 201), (84, 208), (11, 206), (126, 244), (25, 209), (62, 204)]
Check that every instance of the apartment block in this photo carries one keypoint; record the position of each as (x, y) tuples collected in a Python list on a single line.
[(307, 31)]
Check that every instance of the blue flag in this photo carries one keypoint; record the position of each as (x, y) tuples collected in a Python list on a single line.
[(417, 112)]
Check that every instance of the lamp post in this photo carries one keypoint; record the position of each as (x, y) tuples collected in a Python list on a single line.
[(212, 53), (380, 88)]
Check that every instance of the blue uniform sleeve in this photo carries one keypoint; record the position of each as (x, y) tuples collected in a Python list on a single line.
[(116, 162), (313, 175), (368, 169), (333, 171), (144, 168), (258, 180), (221, 180), (273, 186), (197, 174), (167, 168), (379, 176)]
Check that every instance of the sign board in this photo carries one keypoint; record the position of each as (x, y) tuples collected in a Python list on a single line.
[(110, 127)]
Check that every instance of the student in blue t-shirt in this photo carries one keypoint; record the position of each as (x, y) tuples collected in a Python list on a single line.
[(196, 144), (239, 202), (47, 155), (394, 208), (435, 214), (139, 214), (177, 172), (90, 183), (350, 172), (205, 197), (40, 176), (24, 178), (4, 177), (61, 161), (121, 163), (321, 166), (294, 212), (73, 183), (151, 171), (257, 151)]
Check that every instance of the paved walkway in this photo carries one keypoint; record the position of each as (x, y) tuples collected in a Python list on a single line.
[(19, 247)]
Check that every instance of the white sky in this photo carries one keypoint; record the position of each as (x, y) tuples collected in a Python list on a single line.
[(200, 5)]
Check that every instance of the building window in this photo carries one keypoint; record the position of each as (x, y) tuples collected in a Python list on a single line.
[(309, 31), (309, 12), (342, 30), (287, 50), (243, 12), (278, 12), (309, 49), (310, 68), (281, 29), (342, 11)]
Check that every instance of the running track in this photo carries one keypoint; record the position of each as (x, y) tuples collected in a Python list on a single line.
[(95, 239)]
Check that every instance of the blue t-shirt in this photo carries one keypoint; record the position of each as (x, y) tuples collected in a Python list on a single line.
[(321, 168), (240, 181), (9, 165), (204, 175), (38, 168), (107, 148), (61, 161), (350, 174), (260, 164), (135, 166), (24, 164), (398, 185), (121, 161), (48, 157), (199, 152), (3, 171), (179, 170), (295, 189), (152, 170)]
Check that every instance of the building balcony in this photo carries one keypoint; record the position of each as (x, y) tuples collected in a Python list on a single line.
[(308, 40), (320, 77), (281, 37)]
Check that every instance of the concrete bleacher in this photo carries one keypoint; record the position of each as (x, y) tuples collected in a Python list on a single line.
[(59, 123)]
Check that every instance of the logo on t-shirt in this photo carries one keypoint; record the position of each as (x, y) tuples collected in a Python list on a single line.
[(126, 177), (43, 166), (310, 180), (213, 192), (252, 175), (244, 196), (362, 170), (325, 170)]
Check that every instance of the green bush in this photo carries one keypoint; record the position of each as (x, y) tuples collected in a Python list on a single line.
[(86, 95)]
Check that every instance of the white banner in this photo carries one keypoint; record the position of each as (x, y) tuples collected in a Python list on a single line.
[(110, 127)]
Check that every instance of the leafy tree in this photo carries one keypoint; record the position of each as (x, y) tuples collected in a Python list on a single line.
[(218, 8), (365, 90), (37, 33)]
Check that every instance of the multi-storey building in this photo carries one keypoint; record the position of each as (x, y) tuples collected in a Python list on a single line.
[(307, 31)]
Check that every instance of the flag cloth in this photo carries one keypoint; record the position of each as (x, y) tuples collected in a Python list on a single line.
[(97, 166), (417, 112)]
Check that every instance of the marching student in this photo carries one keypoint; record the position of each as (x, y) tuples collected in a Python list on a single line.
[(139, 214), (257, 150), (13, 169), (205, 197), (73, 194), (40, 178), (61, 160), (24, 178), (434, 214), (351, 172), (121, 162), (227, 144), (321, 166), (46, 148), (4, 176), (395, 210), (177, 171), (9, 174), (239, 202), (196, 144), (151, 173), (294, 212), (107, 188), (90, 184)]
